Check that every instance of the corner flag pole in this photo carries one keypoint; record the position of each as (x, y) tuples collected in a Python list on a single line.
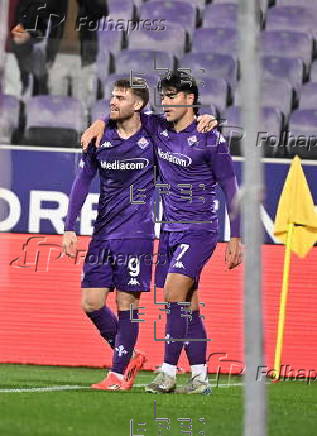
[(283, 302)]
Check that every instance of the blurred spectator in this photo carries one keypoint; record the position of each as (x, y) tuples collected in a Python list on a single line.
[(38, 32)]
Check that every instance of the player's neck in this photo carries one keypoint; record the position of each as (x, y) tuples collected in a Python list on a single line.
[(129, 127), (183, 122)]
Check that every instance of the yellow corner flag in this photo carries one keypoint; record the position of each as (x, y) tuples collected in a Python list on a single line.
[(296, 226), (296, 207)]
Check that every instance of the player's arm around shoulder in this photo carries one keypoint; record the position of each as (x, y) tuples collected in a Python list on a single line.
[(95, 131), (206, 123)]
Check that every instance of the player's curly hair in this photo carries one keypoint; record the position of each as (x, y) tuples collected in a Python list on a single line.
[(139, 88), (181, 81)]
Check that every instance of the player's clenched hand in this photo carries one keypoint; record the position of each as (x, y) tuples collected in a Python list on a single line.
[(94, 131), (69, 243), (233, 256), (206, 123)]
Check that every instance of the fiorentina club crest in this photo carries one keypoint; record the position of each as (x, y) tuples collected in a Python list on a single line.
[(192, 140), (143, 143)]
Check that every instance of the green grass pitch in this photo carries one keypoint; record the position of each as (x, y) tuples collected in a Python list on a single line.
[(77, 410)]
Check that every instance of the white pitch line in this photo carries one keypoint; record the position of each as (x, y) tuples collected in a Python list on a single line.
[(45, 389), (73, 387)]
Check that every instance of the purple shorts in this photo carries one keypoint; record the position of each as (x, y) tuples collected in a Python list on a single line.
[(185, 253), (122, 264)]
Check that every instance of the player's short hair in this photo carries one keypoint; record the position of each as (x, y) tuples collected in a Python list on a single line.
[(181, 81), (142, 91)]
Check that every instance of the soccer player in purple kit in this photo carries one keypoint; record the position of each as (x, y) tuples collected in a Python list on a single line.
[(197, 162), (122, 241), (191, 164), (122, 229)]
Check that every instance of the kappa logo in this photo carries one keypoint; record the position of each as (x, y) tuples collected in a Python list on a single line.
[(178, 265), (175, 158), (81, 163), (164, 133), (220, 137), (143, 143), (125, 164), (133, 281), (106, 144)]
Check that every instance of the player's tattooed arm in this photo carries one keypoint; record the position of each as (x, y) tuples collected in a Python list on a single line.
[(206, 123), (95, 131)]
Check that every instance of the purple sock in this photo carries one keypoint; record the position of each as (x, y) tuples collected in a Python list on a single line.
[(176, 329), (125, 340), (106, 322), (196, 350)]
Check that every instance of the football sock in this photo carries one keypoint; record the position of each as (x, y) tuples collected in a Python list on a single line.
[(106, 322), (199, 372), (171, 370), (196, 350), (125, 340), (175, 329)]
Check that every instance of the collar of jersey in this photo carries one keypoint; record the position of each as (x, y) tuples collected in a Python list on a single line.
[(189, 129), (111, 134)]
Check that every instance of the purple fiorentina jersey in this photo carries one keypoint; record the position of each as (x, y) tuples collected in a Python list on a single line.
[(190, 166), (126, 174)]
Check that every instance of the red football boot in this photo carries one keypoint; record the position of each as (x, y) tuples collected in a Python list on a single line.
[(136, 363), (111, 383)]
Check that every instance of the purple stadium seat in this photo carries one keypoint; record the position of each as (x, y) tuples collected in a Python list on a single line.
[(314, 71), (201, 4), (308, 96), (311, 5), (263, 4), (283, 68), (142, 61), (120, 10), (208, 108), (216, 41), (275, 93), (152, 82), (54, 120), (214, 91), (171, 40), (221, 15), (9, 120), (174, 11), (204, 65), (100, 110), (109, 39), (294, 18), (109, 42), (303, 128), (270, 123), (287, 44)]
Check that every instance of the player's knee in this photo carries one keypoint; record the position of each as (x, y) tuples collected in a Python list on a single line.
[(126, 300), (89, 304)]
